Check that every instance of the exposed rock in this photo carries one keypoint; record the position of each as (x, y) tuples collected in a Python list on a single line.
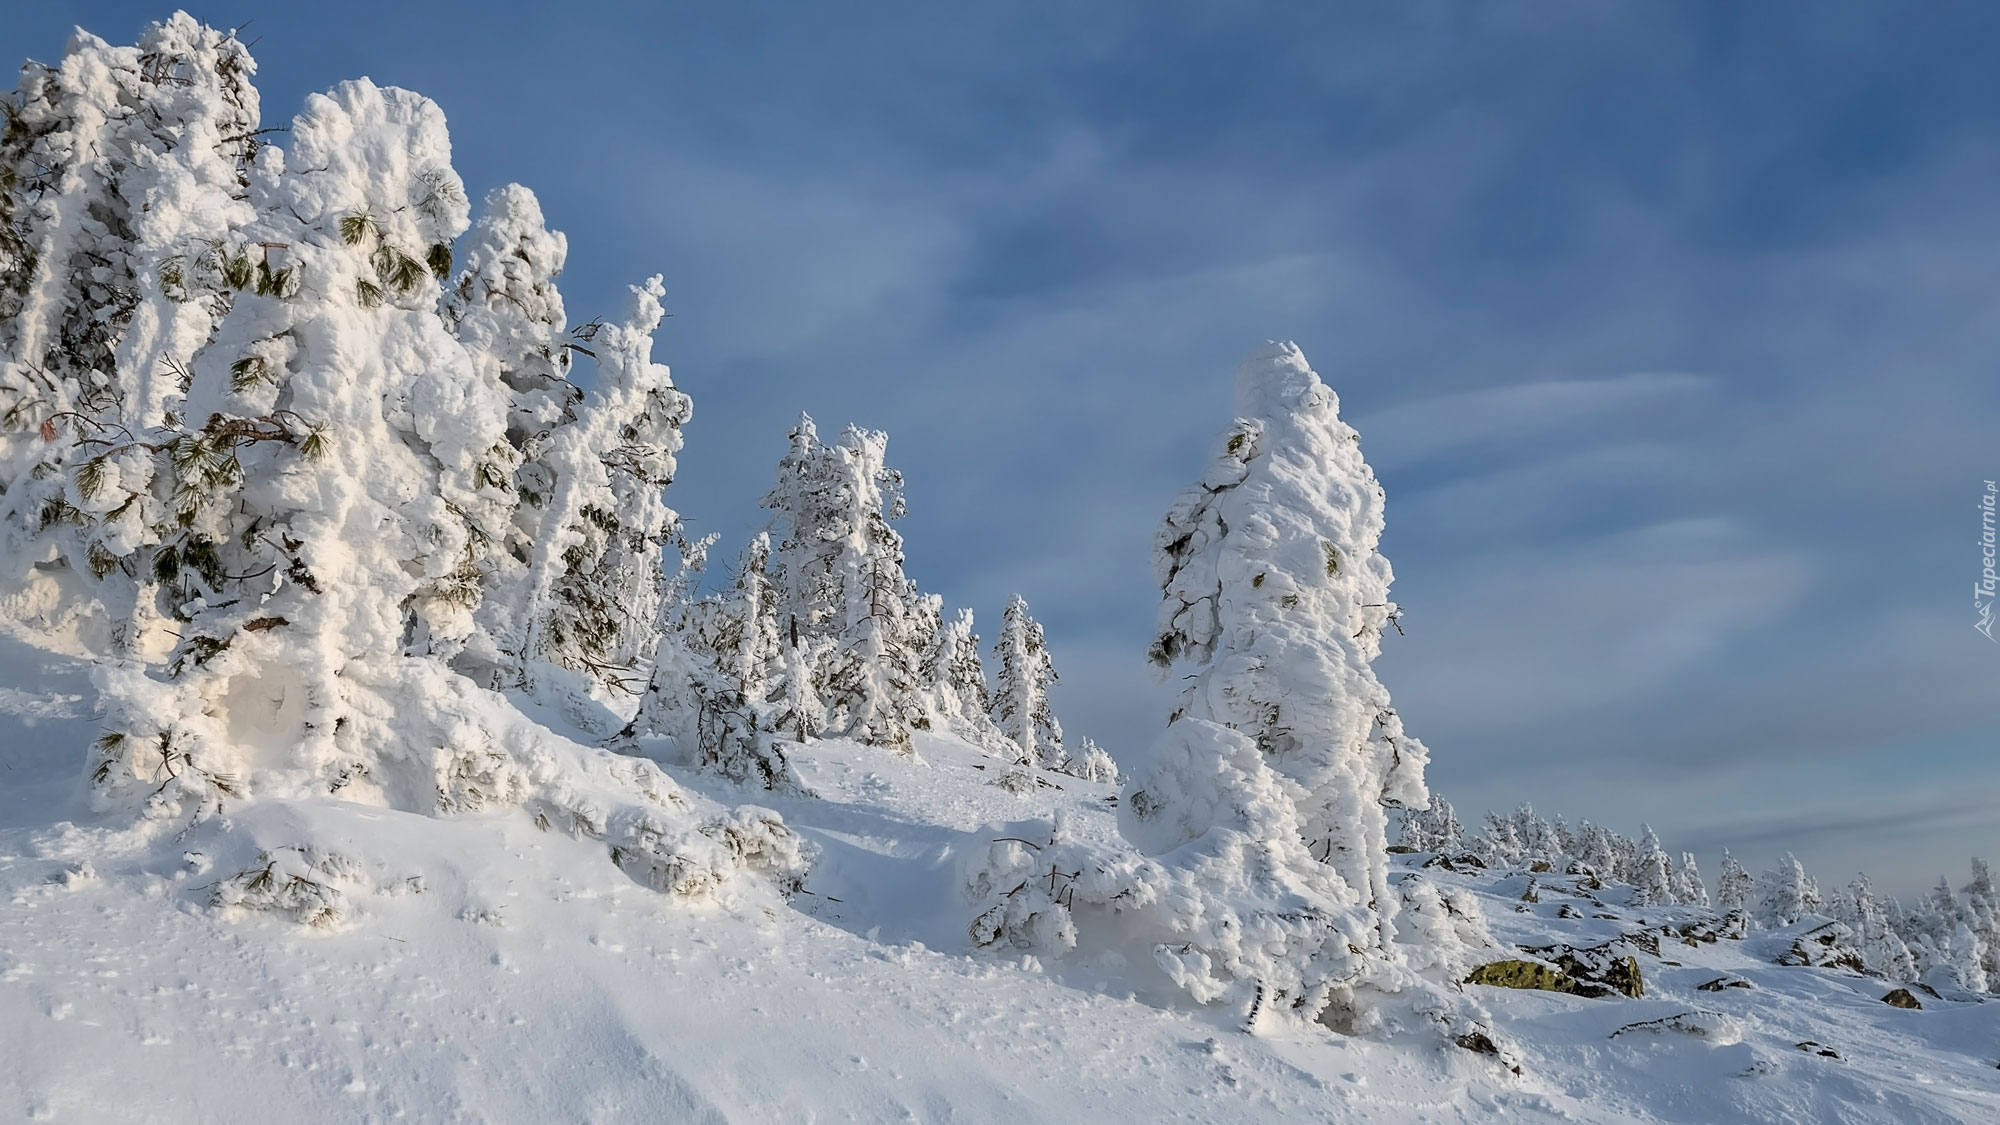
[(1823, 947), (1540, 866), (1524, 974), (1720, 983), (1567, 910), (1594, 972), (1811, 1047), (1599, 970), (1901, 998), (1480, 1043), (1533, 893), (1712, 1026), (1401, 849)]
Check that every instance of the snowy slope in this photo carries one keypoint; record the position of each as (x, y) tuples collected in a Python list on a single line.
[(501, 973)]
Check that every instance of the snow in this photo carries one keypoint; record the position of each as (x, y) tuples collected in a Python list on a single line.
[(491, 971)]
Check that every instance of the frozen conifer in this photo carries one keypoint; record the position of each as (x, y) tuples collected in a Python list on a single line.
[(1274, 599), (1787, 894), (1734, 887), (1652, 875), (1023, 674)]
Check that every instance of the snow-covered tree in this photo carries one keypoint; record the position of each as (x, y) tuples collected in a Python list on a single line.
[(844, 602), (1597, 850), (957, 679), (1435, 829), (599, 548), (1023, 673), (715, 673), (1274, 601), (122, 195), (1652, 875), (1882, 950), (505, 310), (1734, 887), (1689, 890), (1787, 894), (1090, 762), (314, 485)]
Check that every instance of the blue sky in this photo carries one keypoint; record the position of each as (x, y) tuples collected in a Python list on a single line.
[(1669, 327)]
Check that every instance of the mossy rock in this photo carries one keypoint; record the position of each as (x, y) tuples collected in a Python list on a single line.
[(1523, 974)]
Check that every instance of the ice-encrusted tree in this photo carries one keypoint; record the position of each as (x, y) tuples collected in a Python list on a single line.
[(845, 607), (1652, 876), (122, 194), (959, 694), (1274, 598), (1435, 829), (1786, 894), (600, 545), (1689, 890), (1734, 886), (1023, 674), (505, 310), (1882, 950), (716, 671), (315, 486)]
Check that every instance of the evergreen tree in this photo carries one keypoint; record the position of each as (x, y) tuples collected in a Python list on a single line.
[(714, 676), (1734, 887), (1787, 894), (845, 606), (599, 551), (505, 310), (1274, 599), (1023, 675), (1689, 890), (1652, 874), (957, 679), (1882, 950)]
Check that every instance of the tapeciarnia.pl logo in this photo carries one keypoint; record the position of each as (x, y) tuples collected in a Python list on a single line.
[(1983, 590)]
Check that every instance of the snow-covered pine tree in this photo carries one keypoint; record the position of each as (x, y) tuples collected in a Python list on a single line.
[(1090, 762), (1689, 890), (1733, 887), (1284, 745), (1435, 829), (1982, 912), (1652, 875), (1499, 842), (1597, 850), (1023, 673), (1787, 894), (1881, 949), (957, 679), (505, 310), (596, 575), (321, 501), (122, 176), (845, 606), (713, 677)]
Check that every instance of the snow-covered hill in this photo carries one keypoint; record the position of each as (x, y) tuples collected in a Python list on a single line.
[(490, 971)]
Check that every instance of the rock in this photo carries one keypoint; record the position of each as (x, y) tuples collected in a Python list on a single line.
[(1901, 998), (1567, 910), (1523, 974), (1599, 970), (1712, 1026), (1540, 866), (1720, 983), (1822, 947), (1593, 972), (1533, 893), (1401, 849), (1811, 1047), (1480, 1043)]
